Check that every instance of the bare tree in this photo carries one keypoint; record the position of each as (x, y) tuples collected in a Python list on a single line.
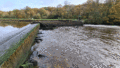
[(59, 6), (66, 2), (97, 1)]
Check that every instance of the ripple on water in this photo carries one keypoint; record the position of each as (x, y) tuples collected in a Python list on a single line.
[(88, 46)]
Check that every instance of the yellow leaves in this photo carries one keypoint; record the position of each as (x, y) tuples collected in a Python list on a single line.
[(110, 65), (1, 12), (115, 13), (19, 16), (84, 17), (105, 18), (115, 9), (111, 16), (114, 21), (119, 20), (107, 21), (28, 12), (111, 10)]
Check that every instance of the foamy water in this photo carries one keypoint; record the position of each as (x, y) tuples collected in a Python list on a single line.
[(95, 46)]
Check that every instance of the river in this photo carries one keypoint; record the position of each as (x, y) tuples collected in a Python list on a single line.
[(88, 46)]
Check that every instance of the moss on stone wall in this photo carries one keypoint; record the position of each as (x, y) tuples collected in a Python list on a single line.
[(20, 50)]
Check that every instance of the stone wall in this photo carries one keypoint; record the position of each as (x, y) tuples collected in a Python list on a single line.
[(60, 22), (20, 54)]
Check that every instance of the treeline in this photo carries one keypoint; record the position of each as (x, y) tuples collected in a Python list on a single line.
[(92, 12), (99, 13)]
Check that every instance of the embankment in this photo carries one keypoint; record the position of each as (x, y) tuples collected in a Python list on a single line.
[(51, 22), (60, 22), (17, 53)]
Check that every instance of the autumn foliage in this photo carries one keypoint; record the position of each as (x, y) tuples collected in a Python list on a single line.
[(92, 12)]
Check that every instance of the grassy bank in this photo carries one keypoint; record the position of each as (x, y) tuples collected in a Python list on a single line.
[(32, 19)]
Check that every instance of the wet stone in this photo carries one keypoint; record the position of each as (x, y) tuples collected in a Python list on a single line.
[(40, 33), (35, 53), (41, 55), (37, 41)]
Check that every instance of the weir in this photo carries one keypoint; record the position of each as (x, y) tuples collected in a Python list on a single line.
[(50, 24), (59, 23), (15, 48)]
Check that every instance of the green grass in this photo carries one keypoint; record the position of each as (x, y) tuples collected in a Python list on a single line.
[(32, 19), (27, 65)]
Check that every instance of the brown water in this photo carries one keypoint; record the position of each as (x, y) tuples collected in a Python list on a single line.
[(90, 46), (8, 27), (16, 24)]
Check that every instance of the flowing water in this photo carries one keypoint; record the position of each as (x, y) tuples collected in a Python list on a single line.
[(90, 46)]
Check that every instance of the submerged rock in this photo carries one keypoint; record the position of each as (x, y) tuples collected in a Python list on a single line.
[(37, 41), (41, 55), (40, 33), (35, 53)]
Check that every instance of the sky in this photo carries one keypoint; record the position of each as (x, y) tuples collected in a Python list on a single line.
[(9, 5)]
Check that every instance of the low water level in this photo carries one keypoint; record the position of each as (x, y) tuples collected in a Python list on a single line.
[(90, 46)]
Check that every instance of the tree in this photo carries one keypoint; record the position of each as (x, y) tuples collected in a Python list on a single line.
[(59, 6), (1, 14), (5, 15), (37, 16), (32, 13), (27, 11), (114, 16), (43, 12), (16, 13), (59, 10)]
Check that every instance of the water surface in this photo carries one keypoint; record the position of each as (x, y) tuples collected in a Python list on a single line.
[(90, 46), (10, 27)]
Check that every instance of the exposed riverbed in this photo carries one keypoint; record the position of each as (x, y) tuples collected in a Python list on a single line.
[(90, 46)]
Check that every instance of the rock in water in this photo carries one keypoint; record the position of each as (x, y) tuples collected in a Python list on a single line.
[(41, 55), (35, 53), (37, 41), (76, 26), (40, 33)]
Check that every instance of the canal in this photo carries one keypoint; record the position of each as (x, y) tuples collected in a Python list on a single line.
[(88, 46)]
